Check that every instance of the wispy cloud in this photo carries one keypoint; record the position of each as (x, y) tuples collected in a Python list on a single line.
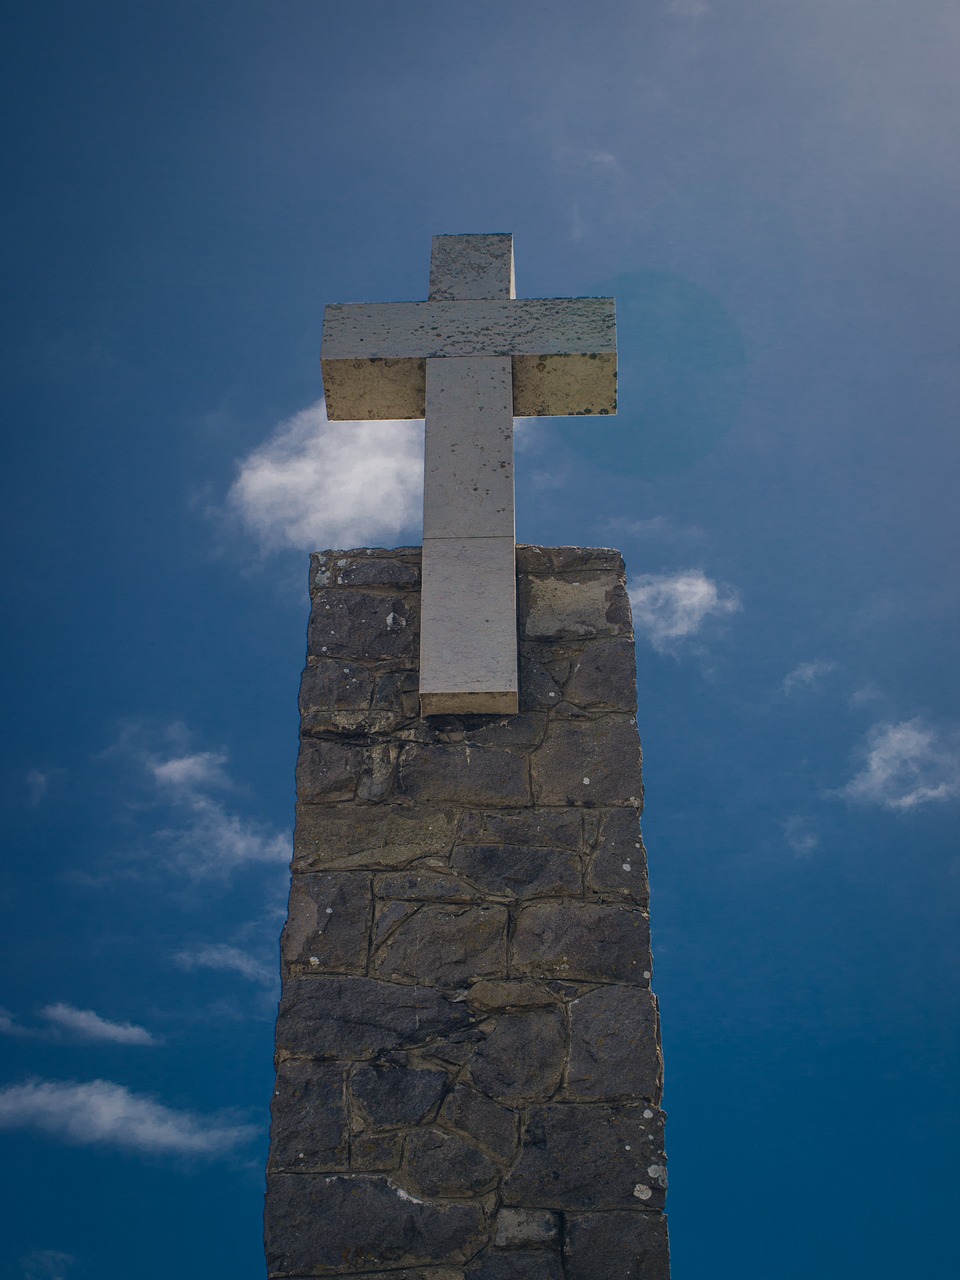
[(38, 782), (47, 1264), (320, 484), (905, 765), (670, 608), (221, 956), (91, 1026), (801, 840), (102, 1113), (202, 834), (806, 675)]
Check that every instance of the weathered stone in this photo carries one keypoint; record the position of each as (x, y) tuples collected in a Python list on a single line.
[(377, 774), (337, 1226), (467, 1049), (309, 1128), (421, 884), (363, 627), (376, 1152), (442, 1164), (331, 837), (539, 1265), (327, 771), (445, 773), (538, 689), (490, 1126), (618, 865), (587, 604), (394, 1095), (524, 1228), (513, 993), (589, 1156), (584, 942), (355, 1018), (370, 567), (606, 675), (328, 922), (611, 1246), (445, 945), (328, 685), (515, 871), (615, 1045), (545, 561), (388, 915), (592, 761), (522, 1055), (544, 828)]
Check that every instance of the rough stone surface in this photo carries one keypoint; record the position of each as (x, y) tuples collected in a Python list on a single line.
[(616, 1246), (468, 1060)]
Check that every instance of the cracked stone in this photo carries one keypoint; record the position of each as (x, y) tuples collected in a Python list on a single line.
[(582, 942)]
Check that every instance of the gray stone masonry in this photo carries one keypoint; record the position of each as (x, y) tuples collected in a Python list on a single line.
[(468, 1049)]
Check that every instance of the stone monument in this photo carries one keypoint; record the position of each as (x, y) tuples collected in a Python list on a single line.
[(468, 1050)]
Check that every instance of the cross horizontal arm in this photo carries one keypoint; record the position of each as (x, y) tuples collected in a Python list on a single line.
[(563, 352)]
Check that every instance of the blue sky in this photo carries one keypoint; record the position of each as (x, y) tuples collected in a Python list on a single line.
[(771, 192)]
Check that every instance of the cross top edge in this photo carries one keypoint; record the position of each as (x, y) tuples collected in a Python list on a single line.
[(472, 268)]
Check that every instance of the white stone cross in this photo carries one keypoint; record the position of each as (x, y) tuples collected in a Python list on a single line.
[(468, 361)]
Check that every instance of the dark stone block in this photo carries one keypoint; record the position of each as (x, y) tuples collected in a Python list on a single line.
[(395, 1095), (330, 685), (328, 922), (363, 627), (590, 761), (491, 995), (442, 1164), (489, 1125), (338, 1226), (445, 945), (582, 942), (517, 871), (618, 865), (356, 1018), (548, 560), (541, 1265), (425, 885), (526, 1228), (538, 689), (376, 1152), (616, 1246), (522, 1055), (606, 675), (327, 771), (589, 1156), (615, 1045), (379, 836), (542, 828), (309, 1128), (360, 568), (444, 772)]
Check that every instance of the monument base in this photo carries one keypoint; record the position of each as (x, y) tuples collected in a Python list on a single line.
[(468, 1051)]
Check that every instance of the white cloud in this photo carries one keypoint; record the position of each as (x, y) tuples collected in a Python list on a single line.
[(317, 484), (800, 839), (669, 608), (102, 1113), (187, 773), (905, 765), (47, 1264), (37, 784), (206, 837), (217, 955), (806, 675), (9, 1026), (90, 1025)]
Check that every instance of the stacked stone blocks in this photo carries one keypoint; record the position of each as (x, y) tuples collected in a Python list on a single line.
[(468, 1050)]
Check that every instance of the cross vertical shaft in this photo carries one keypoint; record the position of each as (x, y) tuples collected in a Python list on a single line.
[(468, 654)]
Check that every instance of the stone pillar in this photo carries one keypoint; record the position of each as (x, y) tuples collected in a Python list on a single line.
[(468, 1049)]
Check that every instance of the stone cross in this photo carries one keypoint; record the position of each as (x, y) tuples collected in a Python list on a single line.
[(468, 361)]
